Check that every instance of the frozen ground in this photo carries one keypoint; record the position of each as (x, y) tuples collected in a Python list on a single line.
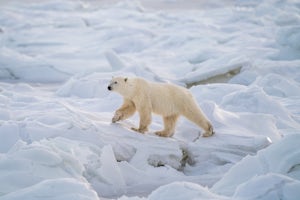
[(57, 140)]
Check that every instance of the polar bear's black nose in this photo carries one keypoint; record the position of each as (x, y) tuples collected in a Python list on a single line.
[(109, 87)]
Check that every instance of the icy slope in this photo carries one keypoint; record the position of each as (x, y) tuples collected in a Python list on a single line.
[(272, 174), (57, 139)]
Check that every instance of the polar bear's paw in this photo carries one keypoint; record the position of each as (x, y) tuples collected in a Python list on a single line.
[(162, 133), (139, 130), (117, 117), (208, 133)]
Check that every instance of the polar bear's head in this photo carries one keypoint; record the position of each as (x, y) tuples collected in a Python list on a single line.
[(119, 84)]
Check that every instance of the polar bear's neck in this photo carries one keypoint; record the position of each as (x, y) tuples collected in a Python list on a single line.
[(129, 89)]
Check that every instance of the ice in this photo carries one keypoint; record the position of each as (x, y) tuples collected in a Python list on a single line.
[(277, 85), (266, 173), (281, 157), (114, 61), (222, 156), (183, 191), (109, 173), (288, 38), (17, 66), (269, 186), (9, 135), (240, 60), (216, 68), (84, 87), (57, 189)]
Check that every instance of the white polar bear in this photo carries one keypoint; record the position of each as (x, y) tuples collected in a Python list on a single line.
[(168, 100)]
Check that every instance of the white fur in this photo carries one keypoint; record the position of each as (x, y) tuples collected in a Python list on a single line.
[(168, 100)]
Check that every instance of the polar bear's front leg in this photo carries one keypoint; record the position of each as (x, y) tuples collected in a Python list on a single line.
[(117, 116), (145, 119), (126, 111)]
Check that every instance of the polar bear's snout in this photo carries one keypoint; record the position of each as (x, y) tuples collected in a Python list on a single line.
[(110, 87)]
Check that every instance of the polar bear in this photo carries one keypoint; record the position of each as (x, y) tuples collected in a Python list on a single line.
[(168, 100)]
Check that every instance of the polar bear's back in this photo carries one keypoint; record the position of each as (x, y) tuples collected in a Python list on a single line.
[(169, 99)]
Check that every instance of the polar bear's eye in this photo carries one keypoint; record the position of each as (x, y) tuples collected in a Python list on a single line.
[(115, 82)]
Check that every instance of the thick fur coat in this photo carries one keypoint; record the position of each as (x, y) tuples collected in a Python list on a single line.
[(168, 100)]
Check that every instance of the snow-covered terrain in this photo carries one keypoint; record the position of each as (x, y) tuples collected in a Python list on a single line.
[(240, 59)]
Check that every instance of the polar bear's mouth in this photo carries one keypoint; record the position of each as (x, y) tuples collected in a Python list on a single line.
[(112, 83), (110, 87)]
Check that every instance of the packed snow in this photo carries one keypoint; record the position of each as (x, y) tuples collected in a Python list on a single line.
[(240, 59)]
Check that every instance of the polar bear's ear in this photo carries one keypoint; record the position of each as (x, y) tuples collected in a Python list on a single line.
[(125, 79)]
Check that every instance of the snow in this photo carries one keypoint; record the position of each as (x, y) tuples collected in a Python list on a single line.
[(61, 188), (240, 59), (184, 190), (265, 161)]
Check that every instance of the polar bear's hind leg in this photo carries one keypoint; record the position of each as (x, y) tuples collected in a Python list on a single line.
[(210, 131), (169, 126), (145, 119), (200, 119)]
